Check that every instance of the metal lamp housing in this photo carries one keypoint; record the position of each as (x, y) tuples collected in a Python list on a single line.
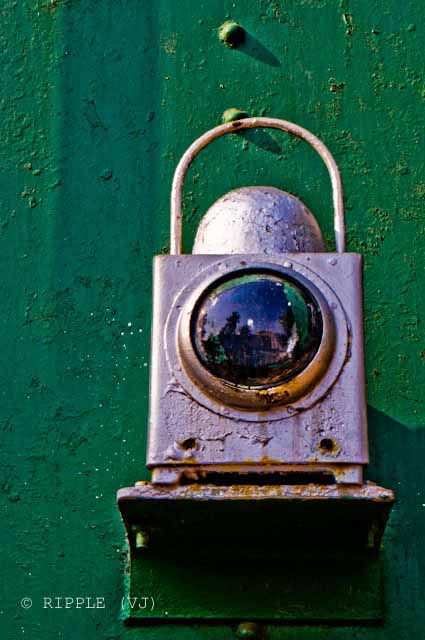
[(201, 426), (257, 426), (198, 423)]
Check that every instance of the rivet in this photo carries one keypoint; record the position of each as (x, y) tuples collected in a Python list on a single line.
[(332, 261), (334, 305), (231, 34), (232, 114), (250, 631), (287, 264)]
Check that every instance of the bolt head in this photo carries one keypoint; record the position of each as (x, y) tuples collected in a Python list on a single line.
[(250, 631), (231, 34), (232, 114)]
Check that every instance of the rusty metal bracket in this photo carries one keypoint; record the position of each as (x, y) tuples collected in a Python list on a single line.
[(353, 514), (285, 542)]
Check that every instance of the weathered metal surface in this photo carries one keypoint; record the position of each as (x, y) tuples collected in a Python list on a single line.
[(186, 469), (258, 220), (285, 534), (366, 492), (187, 403), (320, 516), (99, 100), (255, 123)]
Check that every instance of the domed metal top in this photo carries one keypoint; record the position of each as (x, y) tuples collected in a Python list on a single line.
[(258, 220)]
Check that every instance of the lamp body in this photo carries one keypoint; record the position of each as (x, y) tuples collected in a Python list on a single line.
[(199, 424)]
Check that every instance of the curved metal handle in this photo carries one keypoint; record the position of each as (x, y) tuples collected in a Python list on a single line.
[(253, 123)]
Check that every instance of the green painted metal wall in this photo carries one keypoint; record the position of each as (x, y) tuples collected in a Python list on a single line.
[(98, 100)]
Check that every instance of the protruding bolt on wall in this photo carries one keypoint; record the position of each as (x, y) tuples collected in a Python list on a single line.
[(232, 114), (250, 631), (231, 34), (141, 539)]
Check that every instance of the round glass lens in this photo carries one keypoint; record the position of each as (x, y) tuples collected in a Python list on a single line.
[(257, 330)]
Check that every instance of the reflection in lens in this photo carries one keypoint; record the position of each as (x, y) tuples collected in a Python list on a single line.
[(257, 330)]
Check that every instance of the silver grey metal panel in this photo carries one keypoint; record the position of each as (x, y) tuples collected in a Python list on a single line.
[(176, 417)]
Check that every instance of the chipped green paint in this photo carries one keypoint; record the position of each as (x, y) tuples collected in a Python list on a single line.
[(98, 101)]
